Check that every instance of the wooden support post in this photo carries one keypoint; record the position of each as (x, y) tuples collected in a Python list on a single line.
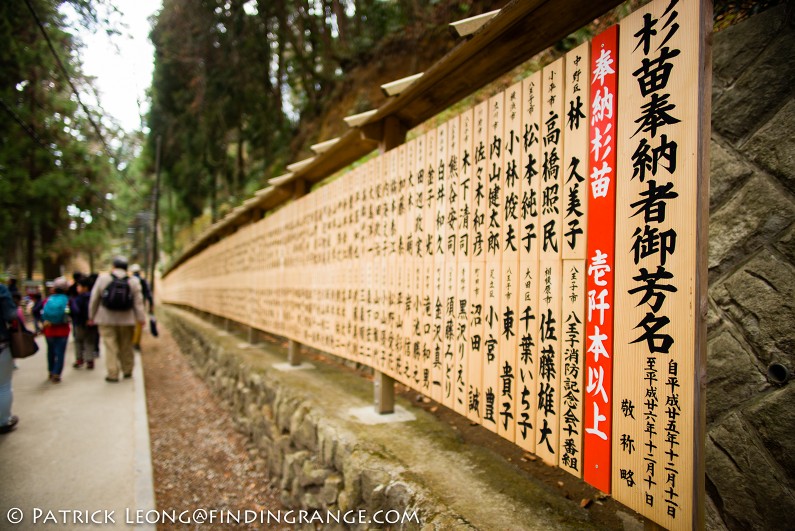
[(294, 353), (384, 388), (300, 189), (393, 134)]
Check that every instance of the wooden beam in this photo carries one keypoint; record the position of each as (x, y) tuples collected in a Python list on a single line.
[(280, 180), (296, 167), (527, 27), (355, 120), (393, 88), (264, 191), (384, 393), (350, 148), (372, 132), (522, 29), (470, 25), (275, 198), (322, 147), (702, 272)]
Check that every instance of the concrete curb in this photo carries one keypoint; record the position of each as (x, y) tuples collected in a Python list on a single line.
[(144, 483)]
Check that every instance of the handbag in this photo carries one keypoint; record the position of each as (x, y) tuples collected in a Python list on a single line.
[(153, 325), (22, 342)]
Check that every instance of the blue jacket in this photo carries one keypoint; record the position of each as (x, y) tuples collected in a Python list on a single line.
[(78, 308), (8, 312)]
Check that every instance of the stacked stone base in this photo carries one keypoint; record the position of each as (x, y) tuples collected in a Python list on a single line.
[(322, 460)]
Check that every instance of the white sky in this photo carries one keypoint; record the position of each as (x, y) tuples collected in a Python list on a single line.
[(122, 64)]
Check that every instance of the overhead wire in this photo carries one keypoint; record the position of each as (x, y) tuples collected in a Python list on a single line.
[(108, 152), (31, 132), (25, 127)]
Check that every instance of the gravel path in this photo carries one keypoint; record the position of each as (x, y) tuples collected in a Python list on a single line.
[(199, 460)]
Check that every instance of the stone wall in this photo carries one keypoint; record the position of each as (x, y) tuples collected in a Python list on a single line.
[(750, 446), (323, 460), (308, 457)]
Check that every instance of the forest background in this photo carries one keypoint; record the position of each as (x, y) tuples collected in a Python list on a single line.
[(240, 89)]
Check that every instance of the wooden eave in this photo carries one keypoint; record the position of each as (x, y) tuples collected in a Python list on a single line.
[(522, 29)]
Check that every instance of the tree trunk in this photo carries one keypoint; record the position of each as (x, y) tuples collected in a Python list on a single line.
[(30, 257), (281, 36), (50, 262), (240, 174), (342, 25)]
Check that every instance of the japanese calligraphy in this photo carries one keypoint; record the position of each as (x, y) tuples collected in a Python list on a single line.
[(656, 252), (600, 260)]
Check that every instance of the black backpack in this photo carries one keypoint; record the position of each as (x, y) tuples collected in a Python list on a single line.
[(117, 295)]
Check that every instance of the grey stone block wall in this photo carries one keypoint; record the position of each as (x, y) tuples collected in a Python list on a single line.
[(316, 464), (322, 460), (750, 463)]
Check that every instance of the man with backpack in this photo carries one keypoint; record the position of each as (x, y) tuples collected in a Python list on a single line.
[(116, 305)]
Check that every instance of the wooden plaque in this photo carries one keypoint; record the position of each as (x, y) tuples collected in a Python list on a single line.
[(553, 119), (550, 253), (572, 331), (392, 263), (429, 287), (450, 246), (418, 271), (576, 148), (406, 168), (600, 285), (439, 162), (509, 262), (383, 221), (357, 270), (367, 294), (476, 391), (492, 318), (548, 367), (463, 350), (527, 310), (661, 212)]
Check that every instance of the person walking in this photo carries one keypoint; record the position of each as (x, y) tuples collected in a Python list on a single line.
[(17, 298), (72, 294), (85, 334), (135, 269), (56, 327), (13, 288), (38, 306), (116, 305), (8, 314)]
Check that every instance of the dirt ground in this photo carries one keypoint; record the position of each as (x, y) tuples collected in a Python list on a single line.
[(199, 460)]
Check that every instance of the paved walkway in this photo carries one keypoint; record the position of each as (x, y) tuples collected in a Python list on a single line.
[(80, 453)]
